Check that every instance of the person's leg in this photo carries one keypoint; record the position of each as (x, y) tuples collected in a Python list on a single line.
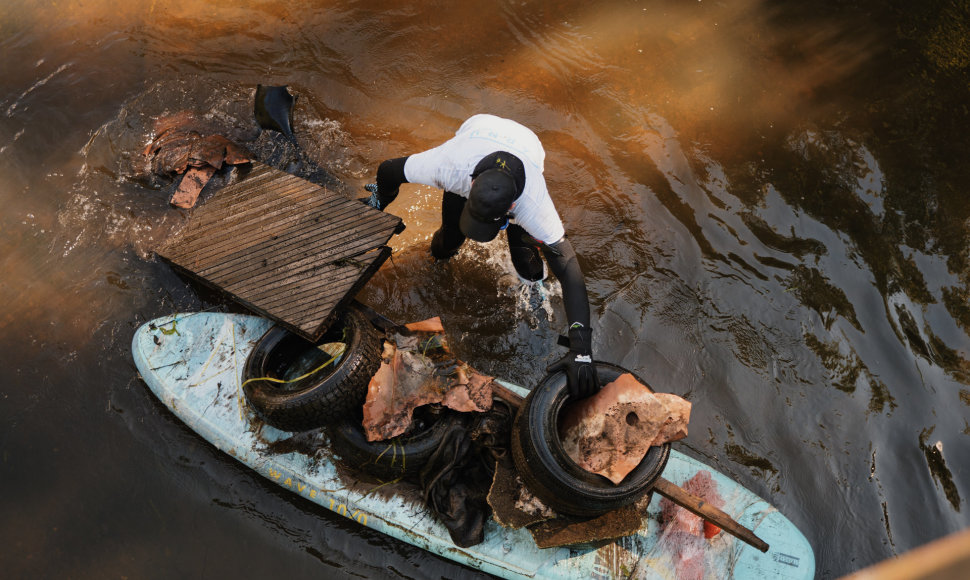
[(525, 257), (448, 239)]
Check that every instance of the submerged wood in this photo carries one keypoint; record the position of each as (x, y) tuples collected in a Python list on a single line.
[(563, 531), (513, 506)]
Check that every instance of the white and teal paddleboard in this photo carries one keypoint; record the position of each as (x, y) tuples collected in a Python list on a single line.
[(193, 363)]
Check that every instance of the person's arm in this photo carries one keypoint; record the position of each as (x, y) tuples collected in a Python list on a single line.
[(565, 267), (578, 364), (390, 176)]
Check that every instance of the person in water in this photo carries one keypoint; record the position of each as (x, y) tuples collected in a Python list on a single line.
[(491, 175)]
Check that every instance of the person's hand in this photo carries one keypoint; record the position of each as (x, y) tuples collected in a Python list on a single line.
[(374, 201), (581, 377)]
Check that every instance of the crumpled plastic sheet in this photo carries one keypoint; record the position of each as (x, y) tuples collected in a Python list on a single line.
[(457, 477)]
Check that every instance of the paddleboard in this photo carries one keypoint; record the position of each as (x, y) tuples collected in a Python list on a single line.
[(193, 363)]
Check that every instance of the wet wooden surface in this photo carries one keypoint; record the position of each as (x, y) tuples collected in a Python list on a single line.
[(286, 248)]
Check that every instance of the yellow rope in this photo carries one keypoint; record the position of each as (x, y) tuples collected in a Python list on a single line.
[(300, 378), (393, 446), (374, 489), (174, 329)]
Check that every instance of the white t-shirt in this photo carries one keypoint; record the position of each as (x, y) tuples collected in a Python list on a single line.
[(449, 167)]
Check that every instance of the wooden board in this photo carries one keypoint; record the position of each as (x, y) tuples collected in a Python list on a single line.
[(285, 248)]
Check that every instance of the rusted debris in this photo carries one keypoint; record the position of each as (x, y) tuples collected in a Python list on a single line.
[(418, 369), (563, 531), (429, 325), (186, 145), (610, 432), (191, 186), (714, 519), (513, 506)]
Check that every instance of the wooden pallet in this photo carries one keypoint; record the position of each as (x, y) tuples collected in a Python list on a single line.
[(287, 249)]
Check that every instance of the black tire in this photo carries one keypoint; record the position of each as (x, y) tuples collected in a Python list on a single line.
[(555, 478), (400, 457), (324, 396)]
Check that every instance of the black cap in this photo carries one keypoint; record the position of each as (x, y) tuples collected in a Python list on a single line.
[(498, 180)]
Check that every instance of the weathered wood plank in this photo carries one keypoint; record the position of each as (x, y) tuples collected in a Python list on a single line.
[(325, 210), (283, 247), (244, 204), (263, 261), (285, 232), (268, 210), (326, 289)]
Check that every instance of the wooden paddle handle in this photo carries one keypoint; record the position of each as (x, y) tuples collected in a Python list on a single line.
[(698, 506), (511, 397)]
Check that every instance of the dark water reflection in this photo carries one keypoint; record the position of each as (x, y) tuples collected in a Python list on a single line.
[(768, 198)]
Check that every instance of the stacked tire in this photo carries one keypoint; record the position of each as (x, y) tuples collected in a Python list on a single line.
[(282, 388), (285, 393), (555, 478), (316, 398), (400, 457)]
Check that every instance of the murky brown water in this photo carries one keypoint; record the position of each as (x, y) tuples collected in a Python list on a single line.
[(769, 200)]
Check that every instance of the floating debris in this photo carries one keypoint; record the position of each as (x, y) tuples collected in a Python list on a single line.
[(187, 145), (273, 109)]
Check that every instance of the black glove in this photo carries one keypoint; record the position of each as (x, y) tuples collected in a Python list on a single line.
[(581, 375), (374, 200)]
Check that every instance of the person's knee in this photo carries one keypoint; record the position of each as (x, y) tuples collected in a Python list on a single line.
[(444, 244), (528, 263)]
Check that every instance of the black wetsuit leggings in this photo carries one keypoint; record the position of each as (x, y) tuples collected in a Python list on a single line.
[(448, 239)]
